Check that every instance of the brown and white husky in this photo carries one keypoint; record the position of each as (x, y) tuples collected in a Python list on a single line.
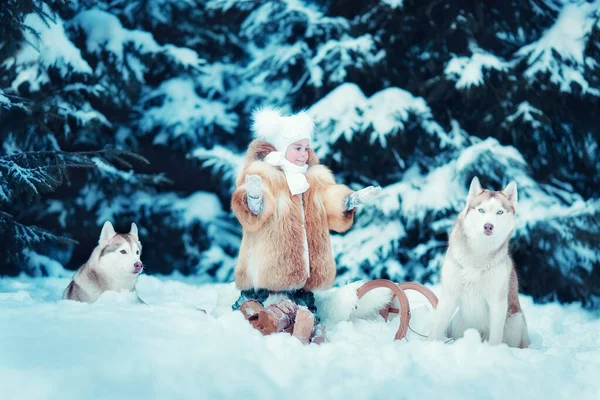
[(478, 274), (114, 265)]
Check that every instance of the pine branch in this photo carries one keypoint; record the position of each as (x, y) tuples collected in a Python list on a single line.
[(114, 174), (108, 153), (221, 162), (29, 235), (37, 172)]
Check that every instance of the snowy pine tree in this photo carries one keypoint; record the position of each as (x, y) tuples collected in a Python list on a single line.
[(79, 99), (415, 96)]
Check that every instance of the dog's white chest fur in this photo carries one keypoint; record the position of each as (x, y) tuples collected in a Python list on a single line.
[(475, 288)]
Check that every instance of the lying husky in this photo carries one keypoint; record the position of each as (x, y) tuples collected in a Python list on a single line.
[(478, 274), (114, 265)]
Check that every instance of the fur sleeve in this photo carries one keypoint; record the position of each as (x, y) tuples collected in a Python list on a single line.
[(339, 219), (239, 203), (334, 197)]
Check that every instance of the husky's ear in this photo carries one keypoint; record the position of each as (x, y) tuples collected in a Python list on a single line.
[(474, 189), (108, 232), (134, 230), (510, 191)]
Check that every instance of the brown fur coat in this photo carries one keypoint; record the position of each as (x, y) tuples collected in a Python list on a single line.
[(272, 251)]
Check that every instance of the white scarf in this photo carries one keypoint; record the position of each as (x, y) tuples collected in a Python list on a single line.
[(293, 173)]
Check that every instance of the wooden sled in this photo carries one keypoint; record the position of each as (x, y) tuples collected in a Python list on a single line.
[(398, 292)]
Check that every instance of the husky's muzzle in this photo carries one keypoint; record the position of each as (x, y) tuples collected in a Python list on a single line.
[(488, 229), (138, 267)]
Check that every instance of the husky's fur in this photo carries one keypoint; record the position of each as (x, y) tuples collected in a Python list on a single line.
[(114, 265), (478, 274)]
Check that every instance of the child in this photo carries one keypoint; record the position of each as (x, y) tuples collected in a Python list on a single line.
[(286, 203)]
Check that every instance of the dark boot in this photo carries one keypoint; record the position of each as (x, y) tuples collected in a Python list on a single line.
[(303, 298), (259, 295)]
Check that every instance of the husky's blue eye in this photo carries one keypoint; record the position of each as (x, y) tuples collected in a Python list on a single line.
[(500, 212), (123, 251), (480, 210)]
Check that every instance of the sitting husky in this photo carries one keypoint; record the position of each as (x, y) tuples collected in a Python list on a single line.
[(114, 265), (478, 274)]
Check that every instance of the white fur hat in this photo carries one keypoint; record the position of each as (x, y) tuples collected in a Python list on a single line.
[(268, 124)]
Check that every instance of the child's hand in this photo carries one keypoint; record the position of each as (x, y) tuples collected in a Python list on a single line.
[(254, 195), (253, 186), (362, 196)]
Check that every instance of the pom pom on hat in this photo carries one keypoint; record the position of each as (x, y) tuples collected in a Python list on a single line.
[(266, 123), (269, 125)]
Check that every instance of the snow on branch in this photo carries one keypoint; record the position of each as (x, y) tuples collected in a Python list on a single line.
[(4, 101), (499, 163), (276, 60), (105, 32), (114, 174), (29, 235), (562, 246), (346, 111), (182, 115), (560, 52), (288, 18), (468, 71), (31, 179), (38, 172), (221, 161), (47, 45), (42, 265), (336, 57), (527, 113)]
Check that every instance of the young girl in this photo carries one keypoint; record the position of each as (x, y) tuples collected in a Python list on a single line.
[(286, 203)]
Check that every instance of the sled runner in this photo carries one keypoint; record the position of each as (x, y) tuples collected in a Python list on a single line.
[(398, 292)]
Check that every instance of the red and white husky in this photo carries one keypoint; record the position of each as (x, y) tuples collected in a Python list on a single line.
[(114, 265), (478, 274)]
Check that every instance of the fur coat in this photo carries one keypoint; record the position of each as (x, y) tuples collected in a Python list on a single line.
[(272, 254)]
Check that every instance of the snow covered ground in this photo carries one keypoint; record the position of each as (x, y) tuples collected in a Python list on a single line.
[(114, 349)]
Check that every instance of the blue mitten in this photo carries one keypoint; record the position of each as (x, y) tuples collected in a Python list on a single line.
[(362, 196), (254, 194)]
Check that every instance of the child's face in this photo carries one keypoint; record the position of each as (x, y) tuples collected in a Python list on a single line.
[(297, 152)]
